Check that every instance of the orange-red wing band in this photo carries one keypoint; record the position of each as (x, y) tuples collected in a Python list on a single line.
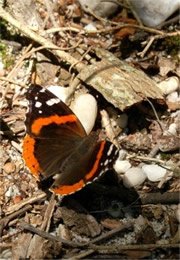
[(90, 174), (68, 189), (39, 123), (28, 155)]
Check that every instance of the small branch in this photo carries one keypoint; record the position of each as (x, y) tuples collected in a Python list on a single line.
[(37, 38), (36, 197), (46, 235), (134, 12), (157, 197), (118, 249), (110, 233), (4, 221)]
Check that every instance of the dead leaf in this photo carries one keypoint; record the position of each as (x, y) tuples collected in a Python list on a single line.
[(165, 65), (136, 142), (79, 223), (125, 32)]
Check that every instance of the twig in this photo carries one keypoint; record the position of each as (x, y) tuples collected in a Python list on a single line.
[(134, 12), (82, 254), (13, 71), (82, 57), (155, 113), (110, 233), (4, 221), (116, 2), (13, 82), (46, 235), (120, 248), (36, 197), (60, 29), (157, 197), (106, 123), (48, 213), (144, 158), (37, 38)]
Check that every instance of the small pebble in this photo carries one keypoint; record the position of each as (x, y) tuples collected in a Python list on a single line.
[(169, 85), (9, 167), (154, 172), (133, 177), (173, 97), (122, 154), (121, 166), (173, 129), (85, 108), (90, 27), (9, 192), (2, 72), (61, 92)]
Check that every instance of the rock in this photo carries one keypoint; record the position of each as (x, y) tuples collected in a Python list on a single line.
[(173, 97), (85, 108), (153, 12), (2, 71), (61, 92), (154, 172), (103, 9), (90, 27), (169, 85), (9, 167), (121, 166), (133, 177)]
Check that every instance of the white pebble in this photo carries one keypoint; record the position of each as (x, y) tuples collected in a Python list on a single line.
[(152, 12), (85, 107), (133, 177), (9, 192), (121, 166), (173, 97), (154, 172), (90, 27), (2, 71), (122, 154), (61, 92), (173, 129), (169, 85)]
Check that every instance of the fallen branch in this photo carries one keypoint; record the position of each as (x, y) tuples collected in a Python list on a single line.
[(39, 39)]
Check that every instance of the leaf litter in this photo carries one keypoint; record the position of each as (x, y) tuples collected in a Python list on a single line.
[(105, 218)]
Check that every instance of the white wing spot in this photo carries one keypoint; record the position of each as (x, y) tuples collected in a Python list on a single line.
[(36, 98), (110, 150), (40, 111), (106, 162), (52, 101), (38, 104), (42, 90)]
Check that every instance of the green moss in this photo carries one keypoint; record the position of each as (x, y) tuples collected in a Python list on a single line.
[(171, 45), (5, 55)]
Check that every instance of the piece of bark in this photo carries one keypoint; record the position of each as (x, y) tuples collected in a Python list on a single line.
[(79, 223), (121, 84)]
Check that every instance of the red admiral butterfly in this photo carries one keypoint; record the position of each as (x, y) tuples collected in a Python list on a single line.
[(56, 145)]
